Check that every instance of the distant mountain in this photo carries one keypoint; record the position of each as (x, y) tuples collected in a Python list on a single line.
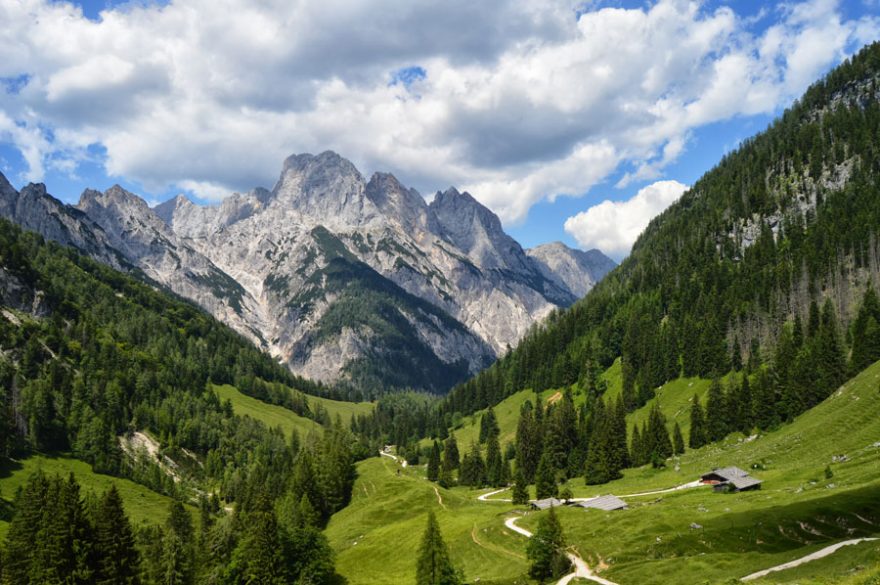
[(341, 278)]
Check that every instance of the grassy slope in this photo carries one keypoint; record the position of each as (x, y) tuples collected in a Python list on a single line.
[(377, 536), (797, 512), (142, 505), (344, 409), (270, 414), (275, 416)]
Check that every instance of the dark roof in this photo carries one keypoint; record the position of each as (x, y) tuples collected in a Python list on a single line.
[(728, 473), (607, 503), (546, 503), (742, 483)]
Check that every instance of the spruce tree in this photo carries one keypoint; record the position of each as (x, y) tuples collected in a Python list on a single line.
[(866, 333), (520, 488), (545, 479), (716, 412), (527, 442), (473, 468), (433, 472), (178, 553), (655, 439), (118, 559), (259, 557), (697, 437), (677, 440), (488, 426), (434, 567), (636, 450), (494, 463), (546, 549), (451, 457)]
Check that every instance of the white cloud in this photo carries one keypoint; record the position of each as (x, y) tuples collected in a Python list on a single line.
[(613, 226), (212, 96)]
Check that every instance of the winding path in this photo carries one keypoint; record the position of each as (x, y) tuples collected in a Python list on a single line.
[(581, 569), (819, 554)]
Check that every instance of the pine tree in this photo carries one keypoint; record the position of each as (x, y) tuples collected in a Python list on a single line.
[(119, 561), (636, 450), (259, 554), (527, 442), (545, 479), (677, 440), (451, 458), (494, 464), (520, 488), (433, 472), (866, 333), (655, 439), (697, 437), (434, 567), (716, 412), (473, 468), (178, 553), (546, 549), (488, 426)]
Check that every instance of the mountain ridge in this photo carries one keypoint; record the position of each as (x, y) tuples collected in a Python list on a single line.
[(271, 262)]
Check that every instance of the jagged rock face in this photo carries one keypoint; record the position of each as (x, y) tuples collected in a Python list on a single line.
[(150, 244), (35, 210), (568, 267), (347, 279)]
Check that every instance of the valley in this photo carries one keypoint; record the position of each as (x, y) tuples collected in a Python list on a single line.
[(343, 380)]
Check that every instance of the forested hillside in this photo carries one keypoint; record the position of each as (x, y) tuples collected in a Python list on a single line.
[(93, 359), (765, 260)]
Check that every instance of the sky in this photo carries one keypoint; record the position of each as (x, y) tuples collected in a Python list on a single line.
[(573, 121)]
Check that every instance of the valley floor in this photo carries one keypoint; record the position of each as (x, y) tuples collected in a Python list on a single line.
[(672, 536)]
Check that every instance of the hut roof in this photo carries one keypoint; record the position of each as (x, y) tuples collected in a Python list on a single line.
[(607, 503)]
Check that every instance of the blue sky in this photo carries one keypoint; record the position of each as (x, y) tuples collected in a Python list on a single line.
[(543, 109)]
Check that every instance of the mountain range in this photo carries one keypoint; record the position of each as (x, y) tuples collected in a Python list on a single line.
[(360, 283)]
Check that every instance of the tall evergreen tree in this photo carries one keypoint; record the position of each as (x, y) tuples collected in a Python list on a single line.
[(494, 463), (473, 468), (520, 494), (546, 549), (697, 437), (655, 439), (716, 412), (677, 440), (488, 426), (545, 479), (434, 566), (451, 457), (528, 443), (119, 561), (433, 472), (866, 333)]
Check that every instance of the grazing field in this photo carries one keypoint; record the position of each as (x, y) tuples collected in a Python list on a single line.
[(377, 536), (688, 536), (142, 505), (270, 414), (346, 410)]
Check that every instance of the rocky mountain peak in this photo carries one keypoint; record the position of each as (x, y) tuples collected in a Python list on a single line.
[(399, 205), (473, 228), (567, 267), (167, 210), (325, 187)]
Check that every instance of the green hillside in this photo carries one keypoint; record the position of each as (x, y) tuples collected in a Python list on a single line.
[(798, 510), (341, 408), (142, 505), (271, 415), (783, 229), (376, 538)]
